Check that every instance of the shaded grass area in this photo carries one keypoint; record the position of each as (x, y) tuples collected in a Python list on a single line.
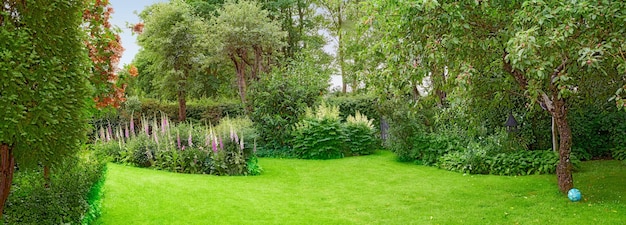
[(360, 190)]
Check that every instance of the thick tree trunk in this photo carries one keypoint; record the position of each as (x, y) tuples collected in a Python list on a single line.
[(7, 167), (564, 168), (182, 105)]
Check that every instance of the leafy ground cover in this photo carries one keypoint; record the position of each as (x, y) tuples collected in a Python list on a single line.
[(373, 189)]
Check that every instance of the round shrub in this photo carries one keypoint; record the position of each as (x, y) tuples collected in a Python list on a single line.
[(359, 133), (319, 135)]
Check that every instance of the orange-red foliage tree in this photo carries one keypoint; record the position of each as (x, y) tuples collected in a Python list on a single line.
[(105, 51)]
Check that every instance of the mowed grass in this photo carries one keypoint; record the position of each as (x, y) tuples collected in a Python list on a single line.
[(372, 189)]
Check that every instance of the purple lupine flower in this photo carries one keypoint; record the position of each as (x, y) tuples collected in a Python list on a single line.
[(241, 143), (183, 148), (163, 124), (214, 145), (126, 134), (190, 140), (221, 143), (166, 121), (232, 134), (146, 127), (178, 139), (102, 135), (132, 125), (156, 137), (236, 137), (109, 132)]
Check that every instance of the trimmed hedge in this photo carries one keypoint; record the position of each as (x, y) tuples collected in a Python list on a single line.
[(202, 111)]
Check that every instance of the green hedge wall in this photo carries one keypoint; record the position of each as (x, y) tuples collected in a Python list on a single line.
[(198, 112)]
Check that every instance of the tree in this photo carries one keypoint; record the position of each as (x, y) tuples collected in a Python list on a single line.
[(174, 36), (105, 52), (246, 36), (44, 67), (547, 48)]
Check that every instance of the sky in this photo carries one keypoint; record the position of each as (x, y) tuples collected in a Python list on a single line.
[(125, 12)]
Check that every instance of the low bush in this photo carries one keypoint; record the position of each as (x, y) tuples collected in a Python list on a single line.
[(509, 164), (524, 163), (359, 133), (319, 135), (472, 161), (72, 198)]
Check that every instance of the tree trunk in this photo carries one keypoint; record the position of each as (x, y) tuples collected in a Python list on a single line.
[(564, 168), (182, 105), (344, 81), (555, 138), (7, 167), (241, 79)]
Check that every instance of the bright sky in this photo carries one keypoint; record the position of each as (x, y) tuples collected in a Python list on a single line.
[(125, 12)]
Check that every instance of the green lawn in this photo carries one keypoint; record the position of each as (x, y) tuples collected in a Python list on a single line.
[(360, 190)]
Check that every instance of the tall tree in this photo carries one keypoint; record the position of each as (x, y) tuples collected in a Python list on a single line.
[(246, 36), (339, 15), (43, 66), (547, 47), (174, 36)]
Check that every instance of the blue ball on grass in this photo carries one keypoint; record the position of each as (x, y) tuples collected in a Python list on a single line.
[(574, 195)]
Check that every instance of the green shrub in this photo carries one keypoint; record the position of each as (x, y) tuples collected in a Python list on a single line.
[(73, 196), (472, 161), (359, 133), (141, 151), (280, 99), (619, 153), (524, 163), (319, 135)]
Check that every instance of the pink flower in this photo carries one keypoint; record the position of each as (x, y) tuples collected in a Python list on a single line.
[(178, 139), (109, 132), (102, 135), (126, 134), (132, 125), (163, 124), (190, 140), (214, 145), (241, 143), (156, 137)]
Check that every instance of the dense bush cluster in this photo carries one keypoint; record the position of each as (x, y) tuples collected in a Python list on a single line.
[(321, 135), (279, 100), (184, 148), (73, 197), (511, 163)]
